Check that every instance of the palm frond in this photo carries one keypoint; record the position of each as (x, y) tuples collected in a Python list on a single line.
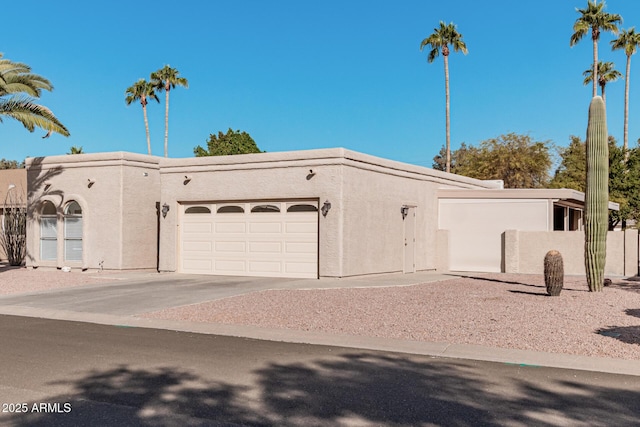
[(31, 115)]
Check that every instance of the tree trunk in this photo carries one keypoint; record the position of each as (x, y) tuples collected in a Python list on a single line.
[(626, 108), (146, 128), (166, 123), (448, 113)]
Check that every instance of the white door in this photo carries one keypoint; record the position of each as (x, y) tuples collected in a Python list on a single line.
[(271, 239), (410, 240)]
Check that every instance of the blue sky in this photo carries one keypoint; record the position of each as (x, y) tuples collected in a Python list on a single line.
[(311, 74)]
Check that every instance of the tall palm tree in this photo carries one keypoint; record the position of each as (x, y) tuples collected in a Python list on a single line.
[(19, 88), (141, 91), (444, 36), (594, 18), (166, 79), (628, 40), (606, 74)]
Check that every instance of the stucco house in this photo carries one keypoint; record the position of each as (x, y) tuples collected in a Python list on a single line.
[(308, 214), (316, 213)]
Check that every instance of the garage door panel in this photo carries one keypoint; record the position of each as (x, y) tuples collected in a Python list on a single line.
[(229, 266), (265, 266), (265, 227), (306, 268), (265, 247), (231, 247), (197, 227), (230, 227), (300, 248), (271, 244)]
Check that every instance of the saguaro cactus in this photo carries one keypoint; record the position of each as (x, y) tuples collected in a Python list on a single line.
[(553, 273), (596, 211)]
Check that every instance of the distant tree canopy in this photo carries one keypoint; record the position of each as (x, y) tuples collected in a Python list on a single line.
[(516, 159), (224, 144), (11, 164)]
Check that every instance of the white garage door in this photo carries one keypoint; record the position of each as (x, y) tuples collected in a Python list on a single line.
[(270, 239)]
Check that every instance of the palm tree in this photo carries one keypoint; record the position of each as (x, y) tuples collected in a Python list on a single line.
[(18, 88), (594, 18), (606, 74), (443, 37), (75, 150), (141, 91), (628, 40), (166, 79)]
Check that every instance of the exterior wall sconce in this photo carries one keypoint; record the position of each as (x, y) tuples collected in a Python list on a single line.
[(404, 210), (90, 182), (165, 210), (325, 208), (311, 174), (187, 179)]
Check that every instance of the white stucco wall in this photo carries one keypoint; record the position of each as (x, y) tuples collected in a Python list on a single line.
[(476, 225)]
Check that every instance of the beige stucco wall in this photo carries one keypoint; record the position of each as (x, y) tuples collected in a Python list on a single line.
[(363, 231), (476, 226), (525, 251), (118, 209)]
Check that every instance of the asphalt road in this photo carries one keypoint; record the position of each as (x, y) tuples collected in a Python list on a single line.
[(87, 374)]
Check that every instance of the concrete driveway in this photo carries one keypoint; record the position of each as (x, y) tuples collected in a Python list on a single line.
[(131, 294)]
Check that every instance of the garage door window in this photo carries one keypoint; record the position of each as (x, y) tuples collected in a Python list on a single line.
[(265, 208), (230, 209), (73, 232), (302, 208), (197, 210), (48, 233)]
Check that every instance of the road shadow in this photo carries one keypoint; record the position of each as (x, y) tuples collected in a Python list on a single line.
[(361, 388)]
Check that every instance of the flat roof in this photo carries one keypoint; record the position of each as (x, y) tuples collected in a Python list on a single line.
[(560, 194)]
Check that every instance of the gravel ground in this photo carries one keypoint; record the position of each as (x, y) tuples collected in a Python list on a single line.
[(16, 280), (495, 310)]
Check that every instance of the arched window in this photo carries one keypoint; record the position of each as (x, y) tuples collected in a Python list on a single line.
[(197, 210), (301, 207), (73, 232), (265, 208), (48, 232), (230, 209)]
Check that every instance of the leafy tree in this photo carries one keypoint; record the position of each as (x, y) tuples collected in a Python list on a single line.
[(516, 159), (628, 40), (75, 150), (233, 142), (11, 164), (594, 18), (19, 88), (606, 74), (166, 79), (142, 91), (439, 41), (458, 157), (572, 172)]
